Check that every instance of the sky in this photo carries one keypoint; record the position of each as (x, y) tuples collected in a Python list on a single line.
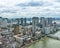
[(29, 8)]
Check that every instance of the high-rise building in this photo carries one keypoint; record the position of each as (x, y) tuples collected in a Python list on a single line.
[(42, 21), (45, 21), (49, 21), (16, 29), (18, 21), (35, 21), (23, 21), (3, 22)]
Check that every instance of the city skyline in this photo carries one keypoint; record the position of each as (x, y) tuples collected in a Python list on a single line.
[(29, 8)]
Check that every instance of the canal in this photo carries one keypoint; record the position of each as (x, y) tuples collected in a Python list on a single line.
[(46, 43)]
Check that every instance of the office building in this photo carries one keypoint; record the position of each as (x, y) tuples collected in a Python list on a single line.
[(35, 21), (3, 22), (23, 21), (42, 21), (16, 29), (49, 21)]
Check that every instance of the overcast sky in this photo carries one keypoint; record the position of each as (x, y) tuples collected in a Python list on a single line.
[(29, 8)]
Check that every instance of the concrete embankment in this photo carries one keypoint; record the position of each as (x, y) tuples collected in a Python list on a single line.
[(27, 45), (54, 37)]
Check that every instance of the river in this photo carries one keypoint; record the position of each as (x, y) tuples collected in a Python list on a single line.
[(46, 42)]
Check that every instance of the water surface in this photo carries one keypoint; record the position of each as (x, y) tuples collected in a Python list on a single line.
[(46, 43)]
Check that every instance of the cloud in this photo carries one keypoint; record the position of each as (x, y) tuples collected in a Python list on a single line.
[(41, 3), (7, 11), (28, 8), (57, 0)]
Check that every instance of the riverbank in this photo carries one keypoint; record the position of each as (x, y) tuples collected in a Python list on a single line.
[(46, 42), (55, 35), (31, 43), (42, 38)]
